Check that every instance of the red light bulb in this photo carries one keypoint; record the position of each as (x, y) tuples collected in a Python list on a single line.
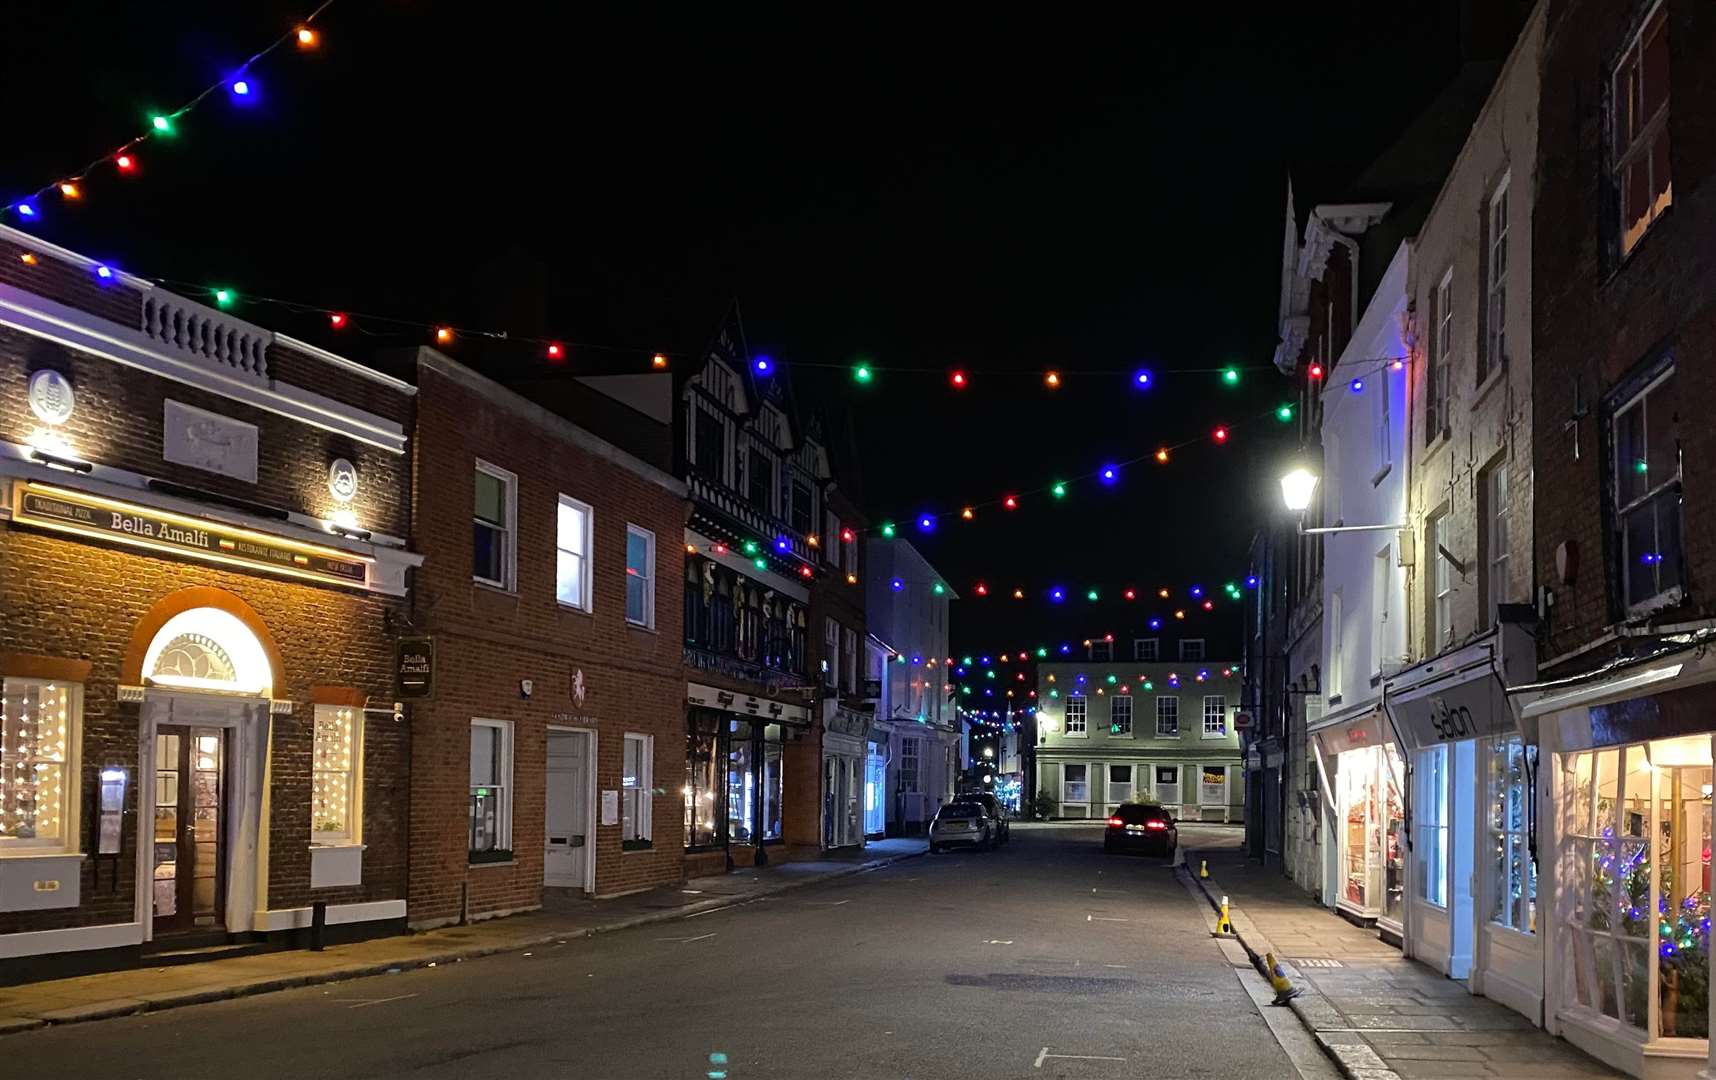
[(1220, 434), (1209, 605), (1130, 594), (337, 320), (846, 536), (957, 379), (1316, 371), (125, 162), (554, 350), (1010, 503), (981, 590)]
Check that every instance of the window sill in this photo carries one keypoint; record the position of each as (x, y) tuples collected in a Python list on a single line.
[(628, 847), (335, 844), (494, 586), (1381, 474), (490, 858), (642, 627), (41, 853), (1442, 439), (1490, 382), (573, 609), (1212, 738)]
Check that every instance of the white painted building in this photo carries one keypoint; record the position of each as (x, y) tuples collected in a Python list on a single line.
[(904, 609)]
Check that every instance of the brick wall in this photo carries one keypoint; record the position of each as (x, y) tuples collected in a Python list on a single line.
[(487, 640), (1598, 318), (68, 598)]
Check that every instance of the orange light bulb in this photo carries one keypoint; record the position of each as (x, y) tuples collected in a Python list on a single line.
[(659, 362), (308, 38), (1162, 455)]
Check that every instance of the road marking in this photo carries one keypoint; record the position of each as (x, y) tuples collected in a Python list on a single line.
[(1104, 918), (826, 903), (711, 911), (1043, 1055), (687, 940), (1117, 965), (995, 941), (374, 1001)]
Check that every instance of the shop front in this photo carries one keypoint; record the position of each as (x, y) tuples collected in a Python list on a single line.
[(876, 783), (736, 790), (1627, 843), (845, 758), (1363, 777), (1471, 790)]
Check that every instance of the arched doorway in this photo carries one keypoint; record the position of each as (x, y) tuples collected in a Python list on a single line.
[(207, 676)]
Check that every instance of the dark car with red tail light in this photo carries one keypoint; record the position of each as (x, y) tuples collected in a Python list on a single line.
[(1145, 827)]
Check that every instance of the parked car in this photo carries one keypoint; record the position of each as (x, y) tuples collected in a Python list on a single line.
[(999, 819), (1146, 827), (957, 823)]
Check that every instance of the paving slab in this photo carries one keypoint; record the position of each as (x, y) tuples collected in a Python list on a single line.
[(1380, 1015)]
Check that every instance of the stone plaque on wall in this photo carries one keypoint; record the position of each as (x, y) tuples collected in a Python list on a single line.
[(209, 441)]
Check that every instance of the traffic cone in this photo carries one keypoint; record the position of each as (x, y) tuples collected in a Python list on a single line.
[(1284, 989), (1224, 926), (1204, 868)]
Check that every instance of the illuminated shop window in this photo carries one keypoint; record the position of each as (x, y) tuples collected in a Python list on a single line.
[(334, 812), (38, 778)]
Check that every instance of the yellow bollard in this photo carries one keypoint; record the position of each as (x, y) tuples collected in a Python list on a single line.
[(1284, 989), (1224, 926), (1204, 868)]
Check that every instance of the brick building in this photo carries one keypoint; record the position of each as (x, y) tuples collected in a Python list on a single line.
[(771, 654), (1624, 333), (201, 569), (547, 756)]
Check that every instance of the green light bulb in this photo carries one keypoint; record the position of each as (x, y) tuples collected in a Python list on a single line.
[(1230, 376), (760, 563), (938, 590), (1284, 412), (1041, 652), (966, 660), (965, 689), (1091, 595), (223, 297), (162, 124), (887, 530), (750, 547), (1641, 466), (1112, 679), (990, 674), (1054, 693), (1148, 685), (1059, 491), (862, 373)]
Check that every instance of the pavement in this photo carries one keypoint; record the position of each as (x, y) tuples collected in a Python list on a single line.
[(149, 989), (1042, 959), (1378, 1015)]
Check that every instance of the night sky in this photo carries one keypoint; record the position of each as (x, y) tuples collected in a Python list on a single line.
[(996, 194)]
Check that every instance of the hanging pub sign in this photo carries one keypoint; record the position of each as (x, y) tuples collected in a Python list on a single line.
[(415, 667), (64, 510)]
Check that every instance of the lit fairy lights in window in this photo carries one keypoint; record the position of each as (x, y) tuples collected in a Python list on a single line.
[(332, 758), (34, 727)]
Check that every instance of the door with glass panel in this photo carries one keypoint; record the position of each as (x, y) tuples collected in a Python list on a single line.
[(190, 810)]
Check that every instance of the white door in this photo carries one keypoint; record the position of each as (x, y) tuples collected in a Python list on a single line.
[(569, 841)]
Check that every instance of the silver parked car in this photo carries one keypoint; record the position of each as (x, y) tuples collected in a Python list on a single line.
[(962, 823)]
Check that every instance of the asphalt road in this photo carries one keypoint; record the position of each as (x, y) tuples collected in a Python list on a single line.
[(1042, 959)]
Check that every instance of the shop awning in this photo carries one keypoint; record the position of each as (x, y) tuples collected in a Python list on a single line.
[(1461, 694), (1619, 703), (1354, 728)]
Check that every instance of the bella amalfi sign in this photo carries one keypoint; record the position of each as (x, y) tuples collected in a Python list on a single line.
[(64, 510)]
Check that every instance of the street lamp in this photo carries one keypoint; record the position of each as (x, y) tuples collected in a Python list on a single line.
[(1298, 486)]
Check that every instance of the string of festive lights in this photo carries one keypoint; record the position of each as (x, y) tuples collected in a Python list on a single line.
[(1192, 597), (241, 87)]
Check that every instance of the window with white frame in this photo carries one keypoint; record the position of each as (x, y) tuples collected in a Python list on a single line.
[(494, 550), (1075, 783), (1513, 873), (40, 725), (491, 791), (1120, 715), (1192, 649), (830, 653), (335, 785), (1215, 716), (1337, 646), (1441, 581), (1436, 418), (640, 577), (1430, 821), (1147, 649), (637, 785), (572, 553), (1384, 425), (1494, 508), (1638, 119), (1493, 356), (1101, 649), (1120, 787), (1075, 714), (849, 658), (1647, 501), (1379, 590), (1167, 716), (909, 758)]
